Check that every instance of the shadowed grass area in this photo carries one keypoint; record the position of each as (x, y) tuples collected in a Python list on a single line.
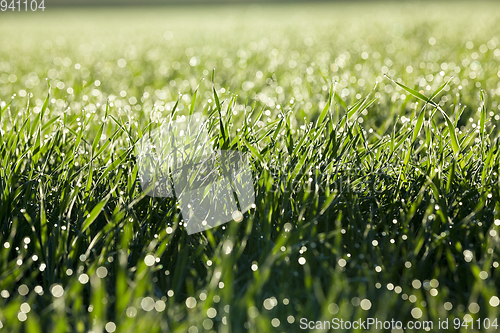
[(371, 133)]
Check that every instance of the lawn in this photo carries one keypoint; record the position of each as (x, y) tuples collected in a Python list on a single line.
[(371, 136)]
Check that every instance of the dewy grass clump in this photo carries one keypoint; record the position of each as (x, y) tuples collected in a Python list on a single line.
[(372, 141)]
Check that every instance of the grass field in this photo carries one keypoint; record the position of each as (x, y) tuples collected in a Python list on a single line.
[(371, 130)]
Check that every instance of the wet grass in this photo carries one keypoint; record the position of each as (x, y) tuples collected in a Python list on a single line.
[(371, 132)]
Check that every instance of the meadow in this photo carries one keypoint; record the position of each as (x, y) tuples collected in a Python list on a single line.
[(371, 131)]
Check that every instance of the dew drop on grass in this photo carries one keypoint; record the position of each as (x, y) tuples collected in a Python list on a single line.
[(416, 313), (23, 290), (160, 306), (190, 302), (102, 272), (110, 327), (131, 312), (494, 301), (147, 303), (83, 278), (57, 290), (211, 312), (25, 308), (39, 290), (416, 284), (366, 304), (474, 307), (149, 260), (237, 216)]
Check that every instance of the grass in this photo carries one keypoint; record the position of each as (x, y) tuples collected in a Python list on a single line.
[(372, 134)]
